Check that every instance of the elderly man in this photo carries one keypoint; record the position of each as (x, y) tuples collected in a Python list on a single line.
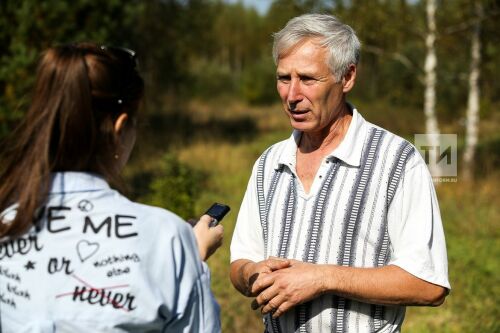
[(339, 228)]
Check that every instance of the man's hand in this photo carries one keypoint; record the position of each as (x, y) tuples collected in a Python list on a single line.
[(245, 272), (283, 289)]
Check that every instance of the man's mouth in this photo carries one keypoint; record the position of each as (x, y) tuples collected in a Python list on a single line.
[(298, 111), (299, 115)]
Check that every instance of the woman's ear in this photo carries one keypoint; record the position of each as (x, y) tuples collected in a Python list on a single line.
[(120, 123)]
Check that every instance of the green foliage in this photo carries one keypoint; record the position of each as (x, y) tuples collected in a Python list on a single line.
[(176, 187), (210, 80), (28, 27), (258, 82), (208, 49), (171, 35)]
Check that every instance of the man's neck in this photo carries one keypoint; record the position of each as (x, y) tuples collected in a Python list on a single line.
[(328, 138)]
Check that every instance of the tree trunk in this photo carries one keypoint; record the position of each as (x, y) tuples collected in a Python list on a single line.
[(431, 123), (472, 118)]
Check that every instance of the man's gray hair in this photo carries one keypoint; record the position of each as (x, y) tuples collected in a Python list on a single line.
[(338, 38)]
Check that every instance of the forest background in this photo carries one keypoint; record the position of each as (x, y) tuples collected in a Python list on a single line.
[(211, 108)]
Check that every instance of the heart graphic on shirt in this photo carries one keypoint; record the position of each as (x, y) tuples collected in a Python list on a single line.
[(86, 249)]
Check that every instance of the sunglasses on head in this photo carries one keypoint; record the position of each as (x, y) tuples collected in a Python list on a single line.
[(127, 55)]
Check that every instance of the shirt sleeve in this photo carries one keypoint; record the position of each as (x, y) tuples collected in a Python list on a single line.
[(247, 241), (415, 228), (190, 304)]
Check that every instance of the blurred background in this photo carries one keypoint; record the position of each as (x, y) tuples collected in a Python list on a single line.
[(211, 108)]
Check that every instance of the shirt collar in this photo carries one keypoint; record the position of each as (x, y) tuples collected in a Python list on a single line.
[(349, 150), (351, 147), (68, 181)]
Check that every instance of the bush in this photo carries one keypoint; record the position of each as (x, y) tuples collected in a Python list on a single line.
[(258, 84), (177, 187), (209, 80)]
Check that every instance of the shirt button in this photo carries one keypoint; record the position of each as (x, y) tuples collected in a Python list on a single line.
[(320, 176)]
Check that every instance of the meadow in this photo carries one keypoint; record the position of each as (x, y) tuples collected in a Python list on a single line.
[(220, 142)]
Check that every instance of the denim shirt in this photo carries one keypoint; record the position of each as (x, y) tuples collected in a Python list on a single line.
[(97, 262)]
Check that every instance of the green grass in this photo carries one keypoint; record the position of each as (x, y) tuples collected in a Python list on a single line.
[(471, 219), (470, 211)]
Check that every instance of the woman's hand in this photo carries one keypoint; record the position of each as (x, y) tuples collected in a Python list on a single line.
[(208, 239)]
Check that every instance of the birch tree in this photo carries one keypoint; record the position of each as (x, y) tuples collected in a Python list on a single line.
[(431, 123), (472, 113)]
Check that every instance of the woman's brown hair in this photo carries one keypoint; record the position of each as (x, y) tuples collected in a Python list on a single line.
[(79, 92)]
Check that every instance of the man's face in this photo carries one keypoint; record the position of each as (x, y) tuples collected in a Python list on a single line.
[(310, 95)]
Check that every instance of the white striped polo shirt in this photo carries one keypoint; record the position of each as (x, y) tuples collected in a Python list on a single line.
[(372, 203)]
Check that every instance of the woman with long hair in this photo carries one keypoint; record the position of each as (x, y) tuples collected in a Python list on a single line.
[(76, 255)]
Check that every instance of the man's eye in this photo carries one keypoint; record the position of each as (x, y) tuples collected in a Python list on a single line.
[(308, 80), (283, 79)]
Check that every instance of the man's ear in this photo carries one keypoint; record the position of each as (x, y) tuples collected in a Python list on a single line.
[(120, 123), (349, 79)]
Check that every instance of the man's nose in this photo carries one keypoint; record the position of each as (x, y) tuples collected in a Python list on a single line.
[(294, 93)]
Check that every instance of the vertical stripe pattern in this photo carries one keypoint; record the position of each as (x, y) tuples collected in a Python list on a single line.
[(354, 214), (265, 202), (260, 192), (404, 152), (312, 246), (288, 218)]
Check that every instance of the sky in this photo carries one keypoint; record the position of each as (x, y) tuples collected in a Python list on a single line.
[(261, 5)]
